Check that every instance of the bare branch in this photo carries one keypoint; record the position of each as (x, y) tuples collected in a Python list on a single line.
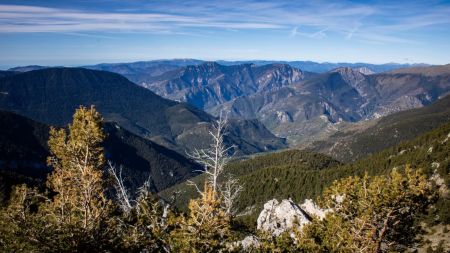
[(230, 190), (192, 183), (122, 194)]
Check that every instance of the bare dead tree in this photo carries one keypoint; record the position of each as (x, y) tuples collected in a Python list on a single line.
[(230, 191), (216, 156), (125, 201), (214, 159)]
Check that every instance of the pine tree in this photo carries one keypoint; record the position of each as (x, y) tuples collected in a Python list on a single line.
[(77, 159), (20, 225), (71, 217), (371, 214), (207, 228)]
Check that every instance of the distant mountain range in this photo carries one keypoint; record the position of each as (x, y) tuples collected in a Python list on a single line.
[(291, 102), (145, 71), (321, 67), (51, 96), (142, 71), (300, 105), (310, 66), (27, 68)]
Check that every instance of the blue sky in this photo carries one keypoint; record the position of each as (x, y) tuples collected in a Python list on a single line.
[(76, 32)]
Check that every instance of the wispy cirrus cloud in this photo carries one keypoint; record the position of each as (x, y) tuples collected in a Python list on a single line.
[(379, 23), (25, 19)]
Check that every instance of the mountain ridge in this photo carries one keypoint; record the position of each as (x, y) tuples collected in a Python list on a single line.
[(52, 95), (210, 84)]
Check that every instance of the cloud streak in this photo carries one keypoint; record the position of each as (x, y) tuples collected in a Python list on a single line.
[(378, 23)]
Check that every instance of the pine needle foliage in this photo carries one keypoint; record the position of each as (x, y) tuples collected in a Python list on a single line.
[(207, 227)]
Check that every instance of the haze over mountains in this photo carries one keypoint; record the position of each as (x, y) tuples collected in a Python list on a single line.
[(128, 69)]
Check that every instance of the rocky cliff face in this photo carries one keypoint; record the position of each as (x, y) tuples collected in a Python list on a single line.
[(355, 141), (314, 107), (211, 84)]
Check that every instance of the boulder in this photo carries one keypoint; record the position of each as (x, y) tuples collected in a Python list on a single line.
[(278, 217)]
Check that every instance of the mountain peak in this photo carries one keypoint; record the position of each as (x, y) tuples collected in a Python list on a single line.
[(365, 70), (210, 84), (352, 71)]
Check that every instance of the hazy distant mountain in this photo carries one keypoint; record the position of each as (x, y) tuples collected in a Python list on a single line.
[(211, 84), (27, 68), (321, 67), (142, 71), (52, 95), (145, 71)]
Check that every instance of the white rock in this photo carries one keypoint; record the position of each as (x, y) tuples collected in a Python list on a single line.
[(283, 117), (365, 70), (339, 198), (440, 183), (313, 210), (246, 244), (278, 217), (249, 242)]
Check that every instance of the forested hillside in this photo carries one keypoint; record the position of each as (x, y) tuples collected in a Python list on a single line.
[(296, 161), (299, 175)]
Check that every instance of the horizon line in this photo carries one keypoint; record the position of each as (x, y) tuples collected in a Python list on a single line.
[(7, 66)]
